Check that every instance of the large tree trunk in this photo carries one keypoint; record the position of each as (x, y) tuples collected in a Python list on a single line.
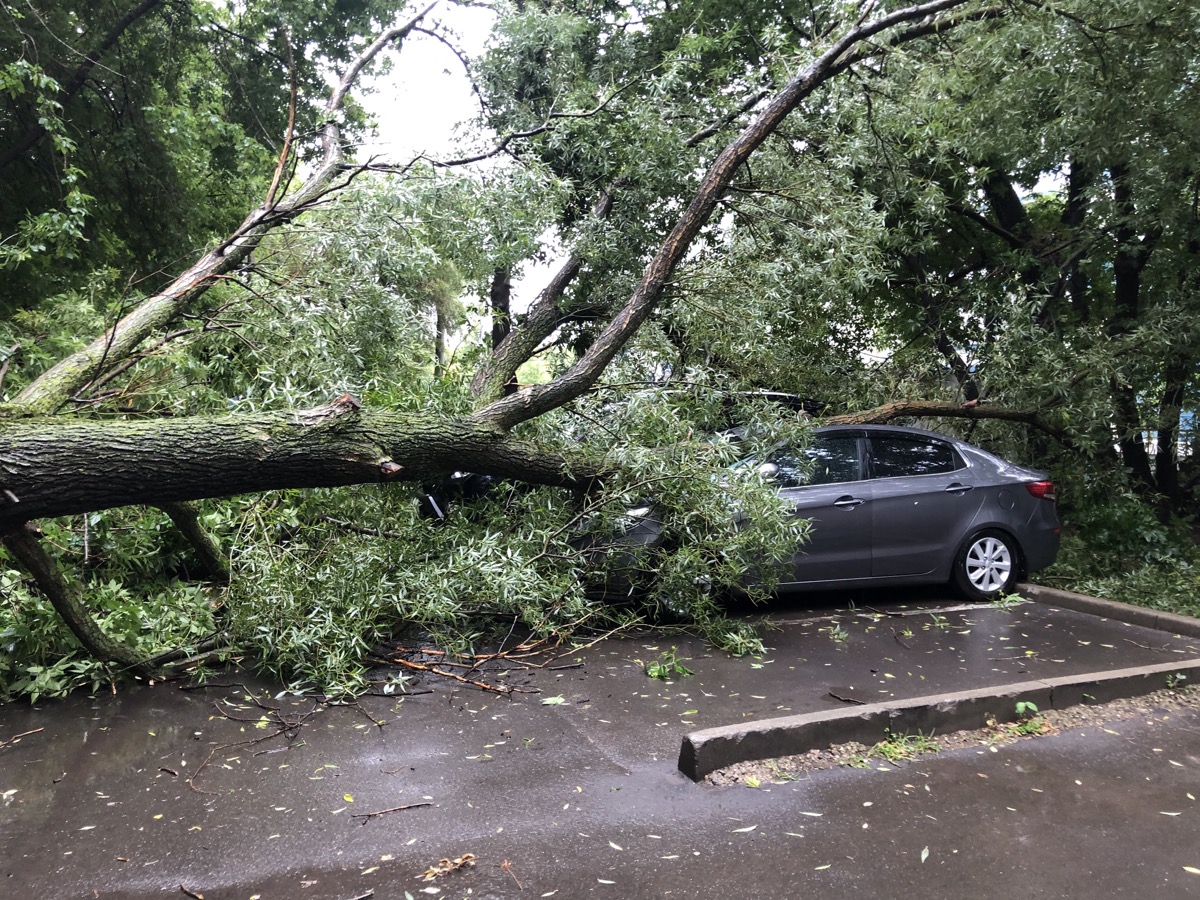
[(57, 467), (65, 596)]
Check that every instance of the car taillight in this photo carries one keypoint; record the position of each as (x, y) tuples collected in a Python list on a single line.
[(1042, 489)]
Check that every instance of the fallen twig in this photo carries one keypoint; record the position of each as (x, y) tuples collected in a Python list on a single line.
[(845, 697), (284, 728), (383, 812), (395, 695), (1147, 646), (361, 529), (548, 651), (507, 867), (603, 637), (17, 737), (482, 685), (378, 723)]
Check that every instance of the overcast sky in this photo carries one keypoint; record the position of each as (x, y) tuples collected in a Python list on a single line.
[(418, 104)]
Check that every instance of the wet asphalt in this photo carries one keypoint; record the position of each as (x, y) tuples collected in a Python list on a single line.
[(568, 787)]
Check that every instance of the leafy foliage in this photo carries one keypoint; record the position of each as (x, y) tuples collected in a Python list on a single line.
[(667, 666), (137, 582), (312, 597)]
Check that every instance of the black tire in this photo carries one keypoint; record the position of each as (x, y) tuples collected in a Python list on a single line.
[(986, 566)]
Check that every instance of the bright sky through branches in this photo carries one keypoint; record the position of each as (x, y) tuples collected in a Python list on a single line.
[(419, 103)]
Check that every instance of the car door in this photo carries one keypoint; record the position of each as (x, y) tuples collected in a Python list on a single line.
[(825, 483), (925, 499)]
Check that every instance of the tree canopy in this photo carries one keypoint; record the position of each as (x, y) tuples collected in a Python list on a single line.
[(893, 209)]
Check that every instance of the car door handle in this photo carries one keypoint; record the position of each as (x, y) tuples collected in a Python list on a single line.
[(848, 502), (957, 488)]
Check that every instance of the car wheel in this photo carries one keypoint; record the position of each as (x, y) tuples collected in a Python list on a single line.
[(986, 566)]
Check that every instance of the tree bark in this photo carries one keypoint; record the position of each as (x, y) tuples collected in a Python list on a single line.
[(1079, 179), (62, 466), (500, 301), (186, 518), (888, 412), (510, 348), (1166, 462)]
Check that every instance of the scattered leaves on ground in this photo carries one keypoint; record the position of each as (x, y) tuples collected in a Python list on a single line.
[(445, 866)]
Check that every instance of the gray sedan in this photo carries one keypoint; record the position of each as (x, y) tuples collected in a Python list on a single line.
[(892, 505)]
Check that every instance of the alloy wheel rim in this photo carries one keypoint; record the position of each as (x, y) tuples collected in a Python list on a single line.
[(989, 564)]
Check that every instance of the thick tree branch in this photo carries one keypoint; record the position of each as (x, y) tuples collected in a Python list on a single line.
[(747, 104), (1014, 242), (539, 322), (65, 597), (898, 409), (186, 518), (1129, 261), (545, 314), (537, 399), (1006, 204)]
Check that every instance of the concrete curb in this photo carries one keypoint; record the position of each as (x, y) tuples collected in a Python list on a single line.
[(1111, 609), (710, 749)]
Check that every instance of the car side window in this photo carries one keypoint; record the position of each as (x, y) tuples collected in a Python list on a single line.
[(828, 460), (892, 456)]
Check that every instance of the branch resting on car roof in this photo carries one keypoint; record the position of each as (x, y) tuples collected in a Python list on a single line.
[(898, 409)]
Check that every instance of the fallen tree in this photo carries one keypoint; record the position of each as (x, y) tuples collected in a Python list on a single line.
[(56, 464)]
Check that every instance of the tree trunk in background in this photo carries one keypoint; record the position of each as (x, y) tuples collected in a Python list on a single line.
[(500, 302), (1166, 463), (1131, 257)]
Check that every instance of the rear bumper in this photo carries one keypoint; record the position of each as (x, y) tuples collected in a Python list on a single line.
[(1041, 544)]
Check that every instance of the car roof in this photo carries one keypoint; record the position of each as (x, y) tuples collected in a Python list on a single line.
[(881, 429)]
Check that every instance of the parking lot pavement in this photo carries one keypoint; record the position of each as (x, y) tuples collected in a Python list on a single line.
[(158, 791)]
